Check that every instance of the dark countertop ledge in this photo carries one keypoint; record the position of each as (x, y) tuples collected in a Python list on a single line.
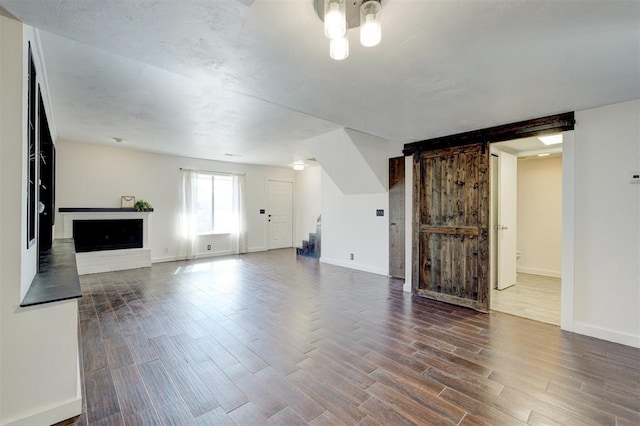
[(58, 276)]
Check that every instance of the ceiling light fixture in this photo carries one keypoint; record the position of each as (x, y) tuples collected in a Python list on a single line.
[(341, 15), (339, 48), (551, 139), (118, 140), (370, 28), (298, 166), (335, 19)]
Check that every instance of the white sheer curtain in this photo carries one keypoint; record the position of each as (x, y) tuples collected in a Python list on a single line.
[(188, 217), (239, 213)]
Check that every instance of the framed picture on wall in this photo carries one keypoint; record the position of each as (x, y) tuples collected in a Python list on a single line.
[(127, 201)]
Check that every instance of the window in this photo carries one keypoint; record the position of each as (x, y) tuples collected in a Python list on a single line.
[(214, 204), (211, 204)]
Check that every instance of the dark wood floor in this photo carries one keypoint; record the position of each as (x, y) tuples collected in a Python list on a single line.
[(270, 338)]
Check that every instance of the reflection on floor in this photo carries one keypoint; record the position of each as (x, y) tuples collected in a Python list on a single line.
[(534, 297)]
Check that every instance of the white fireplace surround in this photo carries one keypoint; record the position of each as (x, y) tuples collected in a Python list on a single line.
[(94, 262)]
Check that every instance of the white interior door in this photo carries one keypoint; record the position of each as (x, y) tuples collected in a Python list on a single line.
[(507, 217), (280, 214)]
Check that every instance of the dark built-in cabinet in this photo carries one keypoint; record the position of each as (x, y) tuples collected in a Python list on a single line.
[(57, 277), (46, 187), (41, 169)]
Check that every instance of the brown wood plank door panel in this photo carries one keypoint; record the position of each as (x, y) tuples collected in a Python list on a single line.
[(451, 224), (396, 217)]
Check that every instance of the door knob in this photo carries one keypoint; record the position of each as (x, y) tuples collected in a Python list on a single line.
[(504, 228)]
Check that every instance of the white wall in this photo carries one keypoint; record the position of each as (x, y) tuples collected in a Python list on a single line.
[(357, 162), (350, 225), (38, 345), (606, 245), (376, 152), (308, 202), (540, 215), (97, 176)]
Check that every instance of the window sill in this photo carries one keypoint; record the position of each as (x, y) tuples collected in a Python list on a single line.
[(210, 234)]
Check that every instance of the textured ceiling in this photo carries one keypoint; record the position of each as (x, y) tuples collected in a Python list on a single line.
[(254, 78)]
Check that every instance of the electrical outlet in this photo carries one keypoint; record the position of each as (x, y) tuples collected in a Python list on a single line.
[(209, 247), (351, 256)]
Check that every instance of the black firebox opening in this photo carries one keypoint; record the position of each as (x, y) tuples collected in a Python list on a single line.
[(107, 234)]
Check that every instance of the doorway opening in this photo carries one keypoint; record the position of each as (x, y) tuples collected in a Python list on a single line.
[(526, 228), (280, 214)]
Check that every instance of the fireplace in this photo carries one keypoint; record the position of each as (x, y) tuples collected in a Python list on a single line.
[(106, 238), (107, 234)]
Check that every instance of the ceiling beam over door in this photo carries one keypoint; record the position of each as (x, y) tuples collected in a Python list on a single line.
[(522, 129)]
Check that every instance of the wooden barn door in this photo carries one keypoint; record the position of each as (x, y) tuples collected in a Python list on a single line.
[(451, 223)]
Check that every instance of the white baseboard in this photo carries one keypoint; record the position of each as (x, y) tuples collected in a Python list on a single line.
[(536, 271), (607, 334), (256, 249), (357, 266), (50, 415)]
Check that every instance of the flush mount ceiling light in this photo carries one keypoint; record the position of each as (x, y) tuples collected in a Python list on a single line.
[(341, 15), (551, 139), (298, 166)]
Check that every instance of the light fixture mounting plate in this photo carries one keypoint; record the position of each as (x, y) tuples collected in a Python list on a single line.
[(352, 8)]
